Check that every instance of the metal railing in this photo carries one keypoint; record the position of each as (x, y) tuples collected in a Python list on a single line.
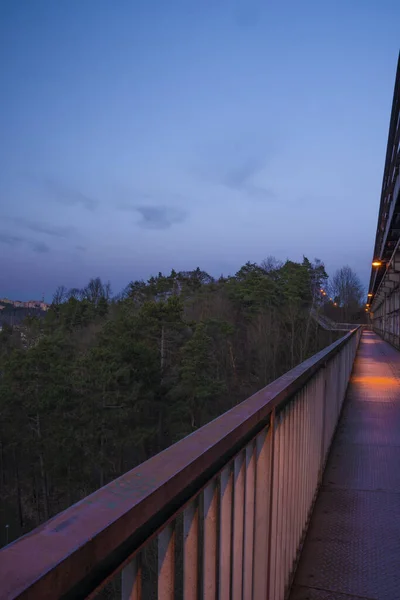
[(234, 498), (330, 325)]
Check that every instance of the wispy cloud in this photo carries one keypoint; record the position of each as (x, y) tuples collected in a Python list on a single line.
[(81, 248), (46, 228), (160, 217), (63, 194), (15, 240), (40, 247), (237, 166), (240, 177), (10, 240), (154, 215)]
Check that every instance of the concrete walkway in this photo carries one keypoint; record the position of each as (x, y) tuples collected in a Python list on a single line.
[(352, 549)]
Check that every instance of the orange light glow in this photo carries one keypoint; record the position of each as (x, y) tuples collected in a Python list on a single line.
[(335, 304), (369, 295), (376, 263), (375, 381)]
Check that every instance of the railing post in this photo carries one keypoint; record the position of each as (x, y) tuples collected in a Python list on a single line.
[(248, 535), (131, 580), (225, 532), (271, 501), (262, 512), (238, 526), (191, 551), (166, 563), (324, 400)]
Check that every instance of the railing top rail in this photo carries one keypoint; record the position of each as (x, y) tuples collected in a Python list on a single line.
[(77, 550)]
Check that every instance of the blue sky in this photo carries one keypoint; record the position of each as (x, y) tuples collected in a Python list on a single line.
[(143, 136)]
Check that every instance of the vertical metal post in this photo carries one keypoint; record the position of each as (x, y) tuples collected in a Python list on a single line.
[(324, 399), (297, 446), (289, 550), (283, 508), (131, 580), (225, 534), (210, 541), (238, 522), (191, 551), (273, 500), (166, 563), (262, 512), (249, 523)]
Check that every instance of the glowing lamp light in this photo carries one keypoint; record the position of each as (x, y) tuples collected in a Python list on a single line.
[(377, 263), (335, 304), (369, 295)]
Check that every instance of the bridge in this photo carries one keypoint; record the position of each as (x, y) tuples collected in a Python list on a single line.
[(294, 493)]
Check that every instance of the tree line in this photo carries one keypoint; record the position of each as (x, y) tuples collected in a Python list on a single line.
[(101, 383)]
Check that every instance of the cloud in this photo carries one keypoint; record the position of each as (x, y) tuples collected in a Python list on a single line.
[(239, 177), (159, 217), (128, 206), (154, 216), (15, 240), (68, 196), (40, 247), (38, 227), (236, 164), (81, 248), (10, 240)]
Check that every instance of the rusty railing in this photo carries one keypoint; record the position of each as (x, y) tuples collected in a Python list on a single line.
[(226, 508)]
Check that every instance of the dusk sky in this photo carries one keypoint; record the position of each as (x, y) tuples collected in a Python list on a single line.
[(137, 137)]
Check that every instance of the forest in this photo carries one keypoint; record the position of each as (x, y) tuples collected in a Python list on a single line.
[(102, 383)]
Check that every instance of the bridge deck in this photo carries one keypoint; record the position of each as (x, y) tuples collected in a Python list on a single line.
[(352, 549)]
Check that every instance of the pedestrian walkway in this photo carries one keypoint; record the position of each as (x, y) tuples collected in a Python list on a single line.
[(352, 549)]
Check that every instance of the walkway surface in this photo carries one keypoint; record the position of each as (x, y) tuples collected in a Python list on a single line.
[(352, 549)]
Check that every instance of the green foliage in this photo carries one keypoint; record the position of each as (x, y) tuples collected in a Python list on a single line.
[(101, 384)]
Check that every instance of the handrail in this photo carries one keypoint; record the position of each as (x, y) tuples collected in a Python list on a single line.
[(74, 553)]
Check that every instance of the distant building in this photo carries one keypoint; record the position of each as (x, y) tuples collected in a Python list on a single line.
[(32, 304)]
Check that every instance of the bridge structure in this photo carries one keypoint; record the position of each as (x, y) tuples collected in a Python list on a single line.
[(384, 287), (294, 493)]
